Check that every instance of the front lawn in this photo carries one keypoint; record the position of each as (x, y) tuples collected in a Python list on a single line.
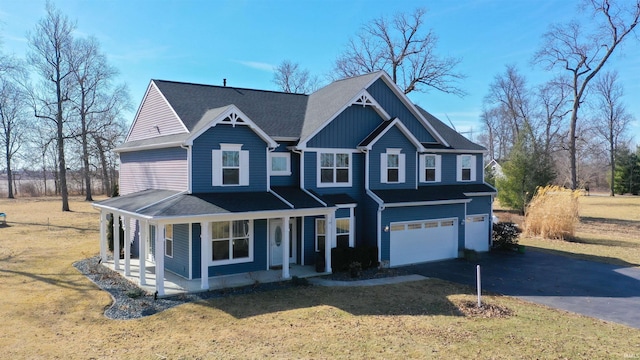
[(49, 310)]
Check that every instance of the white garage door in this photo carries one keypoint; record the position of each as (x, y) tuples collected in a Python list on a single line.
[(426, 240), (476, 232)]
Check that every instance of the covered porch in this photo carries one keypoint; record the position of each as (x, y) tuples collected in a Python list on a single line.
[(242, 255), (176, 285)]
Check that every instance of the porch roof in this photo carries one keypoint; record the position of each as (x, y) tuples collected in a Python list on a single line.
[(166, 203), (434, 193)]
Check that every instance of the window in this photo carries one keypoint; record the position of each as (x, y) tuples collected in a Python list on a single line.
[(430, 166), (231, 242), (320, 234), (343, 232), (280, 164), (168, 240), (230, 165), (392, 166), (334, 169), (466, 168)]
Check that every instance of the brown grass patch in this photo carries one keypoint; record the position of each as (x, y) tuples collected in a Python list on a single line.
[(49, 310)]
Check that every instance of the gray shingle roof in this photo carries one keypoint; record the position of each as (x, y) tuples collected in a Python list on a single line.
[(277, 113), (452, 137), (432, 193)]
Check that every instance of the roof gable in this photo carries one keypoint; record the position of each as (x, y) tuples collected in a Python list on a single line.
[(278, 114), (381, 130), (155, 117)]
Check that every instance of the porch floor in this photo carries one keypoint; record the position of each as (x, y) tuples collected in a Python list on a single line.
[(175, 284)]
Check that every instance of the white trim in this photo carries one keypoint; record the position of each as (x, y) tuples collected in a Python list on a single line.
[(454, 151), (230, 239), (235, 114), (153, 146), (335, 168), (396, 122), (422, 168), (425, 203), (168, 239), (217, 167), (472, 168), (286, 171), (384, 166), (409, 105), (316, 233), (349, 233), (363, 98), (190, 251)]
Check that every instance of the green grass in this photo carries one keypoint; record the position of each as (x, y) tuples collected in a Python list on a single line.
[(49, 310)]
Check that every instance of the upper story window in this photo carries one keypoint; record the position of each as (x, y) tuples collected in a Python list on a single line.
[(334, 169), (430, 168), (281, 164), (392, 166), (230, 165), (466, 168)]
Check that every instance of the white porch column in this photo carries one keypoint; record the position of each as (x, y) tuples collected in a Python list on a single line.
[(126, 225), (285, 248), (328, 240), (116, 241), (160, 259), (103, 236), (142, 244), (205, 254)]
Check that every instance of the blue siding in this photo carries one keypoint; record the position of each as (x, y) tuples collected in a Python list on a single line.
[(394, 138), (309, 239), (367, 222), (449, 169), (348, 129), (196, 248), (479, 205), (342, 213), (396, 108), (179, 263), (226, 134), (412, 213)]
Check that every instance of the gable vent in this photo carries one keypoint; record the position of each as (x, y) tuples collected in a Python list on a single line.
[(233, 119), (363, 100)]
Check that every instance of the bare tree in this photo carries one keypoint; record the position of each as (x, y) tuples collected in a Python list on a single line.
[(50, 50), (93, 95), (290, 78), (583, 53), (12, 114), (406, 50), (552, 99), (612, 119)]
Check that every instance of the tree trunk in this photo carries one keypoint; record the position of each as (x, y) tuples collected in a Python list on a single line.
[(85, 154), (612, 158), (9, 173), (572, 143), (105, 167)]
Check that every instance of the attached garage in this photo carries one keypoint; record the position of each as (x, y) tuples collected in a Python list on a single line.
[(476, 233), (421, 241)]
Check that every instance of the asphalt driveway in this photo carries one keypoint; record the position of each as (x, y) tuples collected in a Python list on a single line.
[(599, 290)]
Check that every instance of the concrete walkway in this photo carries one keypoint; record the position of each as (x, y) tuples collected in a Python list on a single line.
[(599, 290)]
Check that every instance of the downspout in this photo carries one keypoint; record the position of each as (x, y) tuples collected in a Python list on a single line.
[(301, 153)]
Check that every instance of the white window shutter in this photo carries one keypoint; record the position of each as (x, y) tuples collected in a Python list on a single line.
[(383, 168), (216, 167), (244, 167), (438, 168), (401, 168), (459, 168)]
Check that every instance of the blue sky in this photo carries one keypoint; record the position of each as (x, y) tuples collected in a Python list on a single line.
[(242, 40)]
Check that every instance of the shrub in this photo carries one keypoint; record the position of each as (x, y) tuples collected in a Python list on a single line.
[(342, 258), (552, 213), (505, 235)]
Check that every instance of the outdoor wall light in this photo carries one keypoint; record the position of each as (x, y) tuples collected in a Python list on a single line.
[(386, 228), (462, 222)]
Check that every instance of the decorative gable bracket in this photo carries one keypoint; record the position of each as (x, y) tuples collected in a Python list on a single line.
[(365, 99), (234, 119)]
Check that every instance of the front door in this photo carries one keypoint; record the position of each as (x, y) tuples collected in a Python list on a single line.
[(276, 237)]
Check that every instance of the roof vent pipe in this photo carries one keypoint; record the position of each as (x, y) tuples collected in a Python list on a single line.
[(224, 82)]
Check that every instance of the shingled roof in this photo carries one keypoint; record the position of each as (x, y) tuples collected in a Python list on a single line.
[(278, 114)]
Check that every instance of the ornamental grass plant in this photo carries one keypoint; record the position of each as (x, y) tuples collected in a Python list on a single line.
[(552, 213)]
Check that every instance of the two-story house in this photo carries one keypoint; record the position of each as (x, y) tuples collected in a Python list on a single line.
[(217, 180)]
